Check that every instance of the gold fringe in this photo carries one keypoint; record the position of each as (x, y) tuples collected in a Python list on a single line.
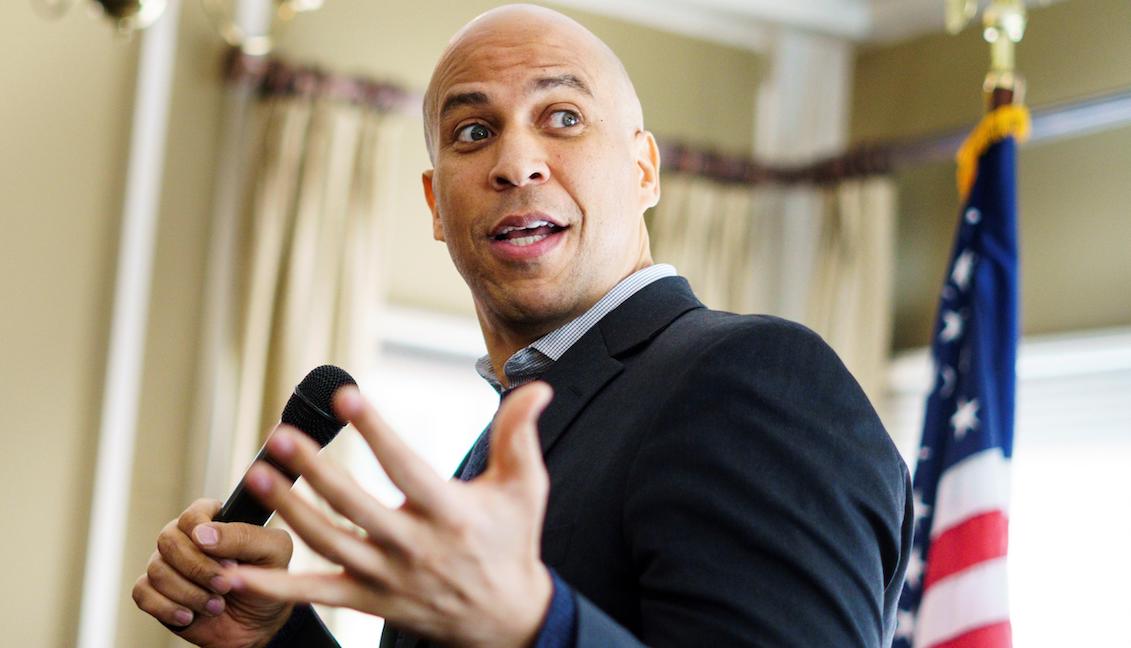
[(1003, 122)]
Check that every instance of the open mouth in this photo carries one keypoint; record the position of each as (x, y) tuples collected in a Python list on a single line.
[(527, 233)]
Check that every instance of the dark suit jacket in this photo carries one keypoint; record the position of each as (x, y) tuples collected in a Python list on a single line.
[(718, 480)]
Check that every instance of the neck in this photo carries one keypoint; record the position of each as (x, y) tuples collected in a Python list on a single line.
[(504, 339)]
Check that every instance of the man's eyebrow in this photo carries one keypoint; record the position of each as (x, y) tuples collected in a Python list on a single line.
[(463, 99), (569, 80)]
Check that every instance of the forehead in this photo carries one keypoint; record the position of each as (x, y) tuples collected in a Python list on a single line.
[(518, 61)]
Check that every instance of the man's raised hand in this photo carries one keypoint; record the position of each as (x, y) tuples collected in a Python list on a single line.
[(457, 562)]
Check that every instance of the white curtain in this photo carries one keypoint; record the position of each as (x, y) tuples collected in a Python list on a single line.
[(718, 236), (727, 240), (313, 271), (300, 275), (850, 296)]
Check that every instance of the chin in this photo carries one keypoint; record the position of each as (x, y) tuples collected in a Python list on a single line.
[(535, 308)]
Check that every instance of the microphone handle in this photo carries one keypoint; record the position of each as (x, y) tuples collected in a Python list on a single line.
[(242, 506)]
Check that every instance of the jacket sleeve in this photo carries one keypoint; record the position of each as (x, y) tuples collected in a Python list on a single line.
[(766, 507)]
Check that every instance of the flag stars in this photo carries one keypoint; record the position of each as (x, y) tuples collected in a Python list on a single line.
[(952, 326), (922, 509), (965, 418), (949, 380), (963, 268), (905, 625), (915, 565)]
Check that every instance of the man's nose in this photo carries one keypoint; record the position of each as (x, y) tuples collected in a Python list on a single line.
[(521, 162)]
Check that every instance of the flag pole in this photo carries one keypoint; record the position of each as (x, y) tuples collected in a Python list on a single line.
[(956, 591), (1003, 26)]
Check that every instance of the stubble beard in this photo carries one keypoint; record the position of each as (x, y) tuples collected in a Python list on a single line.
[(527, 310)]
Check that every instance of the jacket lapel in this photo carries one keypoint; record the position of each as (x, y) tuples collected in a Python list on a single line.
[(593, 361), (576, 377)]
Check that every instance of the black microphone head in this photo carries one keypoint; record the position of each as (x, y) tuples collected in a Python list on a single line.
[(309, 407)]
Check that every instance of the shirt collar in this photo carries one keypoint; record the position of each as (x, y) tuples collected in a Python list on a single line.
[(531, 361)]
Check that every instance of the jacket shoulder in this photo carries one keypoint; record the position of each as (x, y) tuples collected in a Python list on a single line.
[(709, 334)]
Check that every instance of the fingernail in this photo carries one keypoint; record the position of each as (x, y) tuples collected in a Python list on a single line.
[(205, 535), (182, 617), (228, 563), (236, 582), (218, 584), (215, 606)]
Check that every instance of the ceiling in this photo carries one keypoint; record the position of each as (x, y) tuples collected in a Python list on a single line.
[(751, 23)]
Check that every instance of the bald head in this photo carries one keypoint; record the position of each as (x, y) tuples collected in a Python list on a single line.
[(542, 171), (520, 30)]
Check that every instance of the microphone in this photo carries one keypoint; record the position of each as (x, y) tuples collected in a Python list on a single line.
[(308, 409)]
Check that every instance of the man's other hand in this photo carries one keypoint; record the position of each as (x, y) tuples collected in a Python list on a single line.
[(184, 586), (457, 562)]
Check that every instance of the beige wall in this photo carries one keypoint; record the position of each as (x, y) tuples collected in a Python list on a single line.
[(64, 132), (1074, 195), (159, 481), (63, 136), (64, 128)]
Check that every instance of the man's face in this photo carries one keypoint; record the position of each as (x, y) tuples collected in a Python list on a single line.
[(540, 181)]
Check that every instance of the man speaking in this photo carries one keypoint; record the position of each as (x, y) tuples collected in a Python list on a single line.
[(670, 476)]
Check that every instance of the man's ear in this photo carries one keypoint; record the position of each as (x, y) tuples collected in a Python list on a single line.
[(430, 198), (648, 162)]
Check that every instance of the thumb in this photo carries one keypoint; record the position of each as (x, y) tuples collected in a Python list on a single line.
[(245, 543), (515, 450)]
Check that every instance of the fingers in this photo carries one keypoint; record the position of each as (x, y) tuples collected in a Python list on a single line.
[(180, 580), (515, 449), (202, 510), (246, 543), (338, 590), (178, 590), (333, 543), (152, 602), (421, 486), (192, 546), (183, 556), (299, 453)]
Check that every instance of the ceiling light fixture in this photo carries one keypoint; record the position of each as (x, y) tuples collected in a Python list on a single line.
[(229, 17)]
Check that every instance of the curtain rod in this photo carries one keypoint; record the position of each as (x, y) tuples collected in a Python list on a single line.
[(273, 76), (1049, 123)]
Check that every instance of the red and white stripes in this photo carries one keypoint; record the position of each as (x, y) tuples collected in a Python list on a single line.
[(965, 600)]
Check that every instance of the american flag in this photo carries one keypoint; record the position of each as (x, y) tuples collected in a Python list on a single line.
[(956, 595)]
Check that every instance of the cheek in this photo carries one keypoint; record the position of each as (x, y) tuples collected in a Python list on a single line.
[(594, 181)]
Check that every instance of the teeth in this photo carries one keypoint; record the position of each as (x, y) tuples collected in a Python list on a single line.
[(510, 228), (526, 240)]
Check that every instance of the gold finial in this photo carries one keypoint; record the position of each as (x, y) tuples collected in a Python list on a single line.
[(1003, 26)]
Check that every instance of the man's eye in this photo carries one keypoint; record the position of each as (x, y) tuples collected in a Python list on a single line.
[(564, 119), (473, 133)]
